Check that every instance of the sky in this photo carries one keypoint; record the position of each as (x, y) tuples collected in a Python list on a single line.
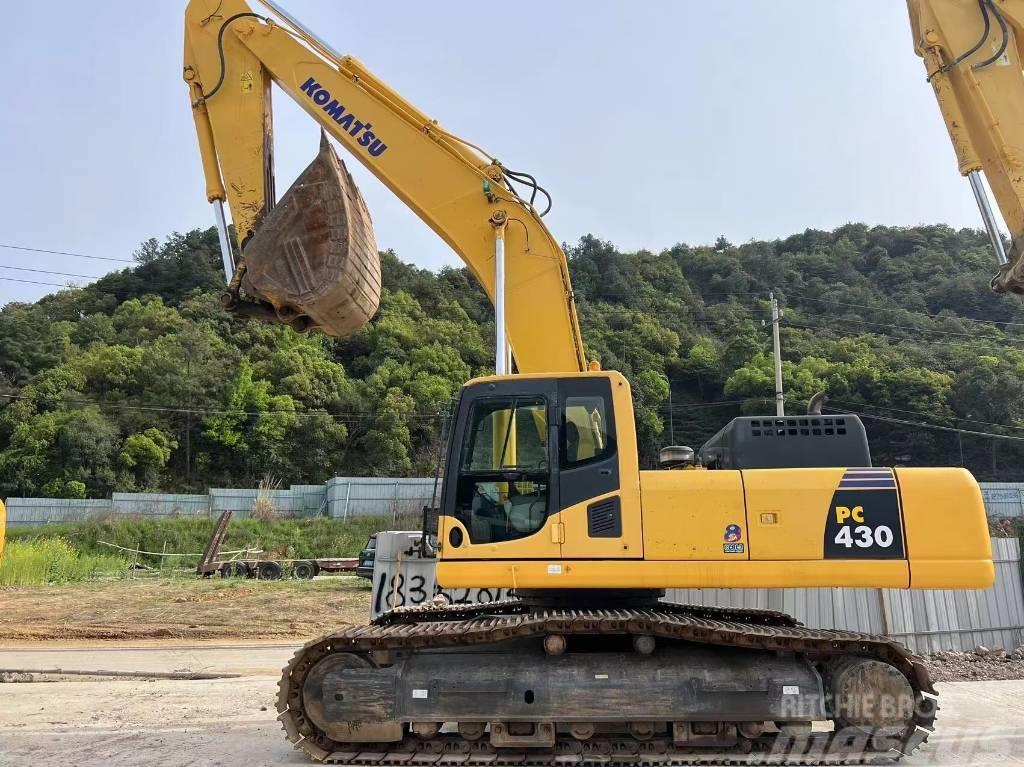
[(651, 123)]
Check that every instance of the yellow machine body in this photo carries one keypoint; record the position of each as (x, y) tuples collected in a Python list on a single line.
[(701, 528), (675, 528)]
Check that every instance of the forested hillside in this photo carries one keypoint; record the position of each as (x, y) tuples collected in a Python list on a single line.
[(140, 381)]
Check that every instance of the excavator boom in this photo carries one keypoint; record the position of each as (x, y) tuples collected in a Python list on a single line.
[(972, 51), (232, 56)]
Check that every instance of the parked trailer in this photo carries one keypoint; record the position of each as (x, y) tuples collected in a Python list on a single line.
[(264, 569)]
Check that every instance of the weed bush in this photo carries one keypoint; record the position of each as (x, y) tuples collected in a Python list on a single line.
[(54, 560)]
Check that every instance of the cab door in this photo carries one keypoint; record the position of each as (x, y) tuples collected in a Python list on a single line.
[(598, 481), (500, 495)]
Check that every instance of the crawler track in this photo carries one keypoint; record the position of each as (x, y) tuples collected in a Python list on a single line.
[(409, 629)]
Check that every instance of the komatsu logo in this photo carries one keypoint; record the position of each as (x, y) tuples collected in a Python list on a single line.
[(322, 98)]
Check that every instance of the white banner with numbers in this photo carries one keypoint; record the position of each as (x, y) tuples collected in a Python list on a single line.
[(401, 577)]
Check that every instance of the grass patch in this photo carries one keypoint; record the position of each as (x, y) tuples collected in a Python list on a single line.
[(285, 538), (54, 560)]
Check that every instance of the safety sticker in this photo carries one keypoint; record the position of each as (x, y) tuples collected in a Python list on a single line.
[(733, 533), (732, 548), (420, 694), (247, 82), (790, 689), (554, 569)]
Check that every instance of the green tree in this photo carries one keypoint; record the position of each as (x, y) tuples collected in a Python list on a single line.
[(145, 455)]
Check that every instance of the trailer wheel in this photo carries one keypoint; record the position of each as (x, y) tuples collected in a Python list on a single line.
[(304, 569), (269, 571), (236, 569)]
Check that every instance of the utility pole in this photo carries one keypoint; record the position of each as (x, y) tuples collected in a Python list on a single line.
[(188, 419), (780, 400), (671, 412)]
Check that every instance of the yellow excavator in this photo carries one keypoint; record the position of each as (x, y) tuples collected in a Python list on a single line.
[(542, 490)]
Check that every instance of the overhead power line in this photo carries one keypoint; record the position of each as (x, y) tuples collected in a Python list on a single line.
[(66, 253), (708, 301), (862, 332), (927, 415), (684, 407), (950, 333), (49, 271), (919, 425), (34, 282), (804, 297)]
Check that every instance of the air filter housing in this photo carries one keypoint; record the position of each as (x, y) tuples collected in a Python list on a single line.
[(754, 442)]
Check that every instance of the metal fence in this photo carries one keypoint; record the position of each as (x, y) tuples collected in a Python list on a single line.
[(298, 500), (39, 511), (338, 498), (378, 496), (159, 504), (1003, 499)]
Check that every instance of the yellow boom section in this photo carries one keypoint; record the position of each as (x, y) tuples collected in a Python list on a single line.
[(231, 57), (972, 54)]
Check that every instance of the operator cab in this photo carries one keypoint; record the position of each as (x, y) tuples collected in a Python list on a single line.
[(522, 449)]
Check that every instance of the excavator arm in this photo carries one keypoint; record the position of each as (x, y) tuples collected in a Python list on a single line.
[(972, 50), (484, 211)]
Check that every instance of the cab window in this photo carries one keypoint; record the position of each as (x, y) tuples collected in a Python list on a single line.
[(586, 435), (502, 491)]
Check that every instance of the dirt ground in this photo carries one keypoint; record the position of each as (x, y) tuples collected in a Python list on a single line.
[(182, 608), (988, 665)]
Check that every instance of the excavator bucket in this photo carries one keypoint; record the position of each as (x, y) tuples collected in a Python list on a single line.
[(314, 259)]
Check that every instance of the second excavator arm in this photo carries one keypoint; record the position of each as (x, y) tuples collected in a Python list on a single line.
[(972, 54), (475, 204)]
